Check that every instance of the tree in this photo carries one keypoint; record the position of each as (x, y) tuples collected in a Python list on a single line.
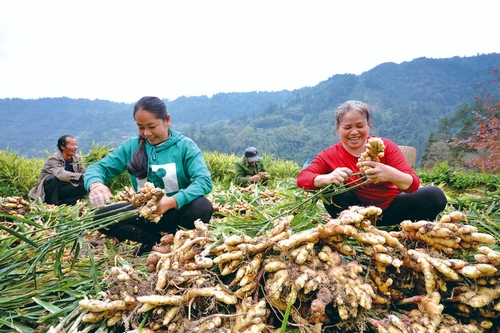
[(485, 139), (437, 152), (425, 156)]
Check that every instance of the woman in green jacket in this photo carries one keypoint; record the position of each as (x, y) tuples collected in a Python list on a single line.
[(167, 159)]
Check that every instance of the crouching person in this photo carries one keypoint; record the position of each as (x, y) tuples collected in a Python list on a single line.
[(61, 178), (164, 157)]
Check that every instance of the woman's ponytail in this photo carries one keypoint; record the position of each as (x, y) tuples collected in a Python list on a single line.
[(138, 165)]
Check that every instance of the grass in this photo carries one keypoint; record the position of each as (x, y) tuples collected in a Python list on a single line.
[(47, 264)]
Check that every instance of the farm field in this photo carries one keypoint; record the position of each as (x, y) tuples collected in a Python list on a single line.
[(271, 260)]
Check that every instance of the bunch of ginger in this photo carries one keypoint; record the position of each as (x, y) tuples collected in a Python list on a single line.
[(334, 276)]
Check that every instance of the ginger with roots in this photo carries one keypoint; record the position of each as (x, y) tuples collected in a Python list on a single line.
[(145, 200), (374, 150), (333, 277)]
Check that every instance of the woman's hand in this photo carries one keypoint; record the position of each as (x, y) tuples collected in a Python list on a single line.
[(165, 204), (379, 172), (337, 177), (99, 195)]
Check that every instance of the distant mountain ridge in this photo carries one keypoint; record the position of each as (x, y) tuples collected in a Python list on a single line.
[(408, 99)]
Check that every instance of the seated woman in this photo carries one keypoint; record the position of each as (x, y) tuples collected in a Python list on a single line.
[(61, 178), (393, 184)]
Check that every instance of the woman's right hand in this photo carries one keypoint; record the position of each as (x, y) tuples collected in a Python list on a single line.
[(99, 195), (337, 177)]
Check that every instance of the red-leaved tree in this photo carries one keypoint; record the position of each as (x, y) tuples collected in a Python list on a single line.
[(485, 140)]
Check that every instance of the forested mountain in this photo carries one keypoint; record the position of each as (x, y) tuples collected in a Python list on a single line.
[(408, 99)]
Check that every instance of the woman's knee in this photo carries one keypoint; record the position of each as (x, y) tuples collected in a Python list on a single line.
[(436, 197), (341, 202), (204, 209), (200, 208)]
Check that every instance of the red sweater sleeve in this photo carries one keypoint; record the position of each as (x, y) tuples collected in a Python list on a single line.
[(328, 160), (394, 157)]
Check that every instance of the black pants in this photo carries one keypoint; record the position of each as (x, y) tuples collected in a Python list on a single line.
[(58, 192), (424, 204), (139, 229)]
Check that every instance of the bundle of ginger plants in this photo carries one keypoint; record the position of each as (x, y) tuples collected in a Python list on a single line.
[(344, 274)]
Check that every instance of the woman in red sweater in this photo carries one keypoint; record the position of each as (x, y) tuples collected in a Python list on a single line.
[(393, 185)]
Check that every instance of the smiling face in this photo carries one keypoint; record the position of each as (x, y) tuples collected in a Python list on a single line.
[(153, 129), (353, 129), (70, 148)]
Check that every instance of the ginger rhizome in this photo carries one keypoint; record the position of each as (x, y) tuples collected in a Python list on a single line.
[(145, 200), (373, 151), (341, 275)]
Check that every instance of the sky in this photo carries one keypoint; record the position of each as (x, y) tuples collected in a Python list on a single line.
[(121, 50)]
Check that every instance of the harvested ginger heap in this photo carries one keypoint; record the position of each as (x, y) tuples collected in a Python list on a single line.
[(374, 150), (145, 200)]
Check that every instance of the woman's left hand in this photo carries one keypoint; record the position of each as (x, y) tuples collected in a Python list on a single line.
[(379, 172), (165, 204)]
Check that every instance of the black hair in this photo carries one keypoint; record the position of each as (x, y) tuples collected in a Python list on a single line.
[(61, 142), (138, 165)]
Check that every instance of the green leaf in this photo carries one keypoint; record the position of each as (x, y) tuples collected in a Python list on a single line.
[(47, 306)]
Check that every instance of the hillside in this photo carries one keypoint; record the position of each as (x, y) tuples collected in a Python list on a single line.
[(408, 99)]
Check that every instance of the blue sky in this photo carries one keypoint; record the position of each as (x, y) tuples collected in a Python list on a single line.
[(121, 50)]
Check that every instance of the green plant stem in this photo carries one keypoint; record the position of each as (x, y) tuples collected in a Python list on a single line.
[(326, 192)]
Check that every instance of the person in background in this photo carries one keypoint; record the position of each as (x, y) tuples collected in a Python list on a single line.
[(164, 157), (393, 184), (250, 168), (62, 176)]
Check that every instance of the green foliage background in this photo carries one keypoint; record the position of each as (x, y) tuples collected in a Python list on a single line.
[(408, 101), (18, 174)]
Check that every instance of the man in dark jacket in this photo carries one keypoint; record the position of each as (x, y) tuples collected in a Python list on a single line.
[(250, 168)]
